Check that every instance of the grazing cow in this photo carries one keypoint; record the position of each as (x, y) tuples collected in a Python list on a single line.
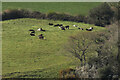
[(62, 28), (67, 27), (41, 36), (90, 29), (32, 34), (60, 24), (75, 25), (50, 23), (80, 28), (40, 29), (56, 25), (31, 30)]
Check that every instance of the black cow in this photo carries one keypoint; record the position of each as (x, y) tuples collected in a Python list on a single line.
[(89, 29), (50, 23), (56, 25), (42, 29), (62, 28), (60, 24), (31, 30), (67, 27), (32, 34)]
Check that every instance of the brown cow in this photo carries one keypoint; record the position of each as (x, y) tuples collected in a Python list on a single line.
[(41, 36)]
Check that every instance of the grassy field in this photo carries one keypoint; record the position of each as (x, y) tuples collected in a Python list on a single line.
[(26, 56), (73, 8)]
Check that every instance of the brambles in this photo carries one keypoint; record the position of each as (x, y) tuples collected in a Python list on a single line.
[(67, 73)]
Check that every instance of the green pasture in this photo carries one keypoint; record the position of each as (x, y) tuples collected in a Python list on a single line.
[(28, 56), (73, 8)]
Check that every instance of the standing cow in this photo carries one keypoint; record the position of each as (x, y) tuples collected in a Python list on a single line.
[(67, 27)]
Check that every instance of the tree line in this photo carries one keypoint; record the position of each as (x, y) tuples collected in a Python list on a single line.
[(101, 15)]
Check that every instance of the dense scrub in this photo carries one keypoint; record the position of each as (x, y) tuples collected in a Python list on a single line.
[(23, 13), (107, 60), (101, 15)]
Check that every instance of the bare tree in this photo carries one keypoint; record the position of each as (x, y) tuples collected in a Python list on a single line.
[(79, 45)]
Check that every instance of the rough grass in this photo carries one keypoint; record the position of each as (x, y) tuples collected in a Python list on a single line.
[(26, 56), (73, 8)]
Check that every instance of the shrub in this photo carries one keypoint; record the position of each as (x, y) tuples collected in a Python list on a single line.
[(52, 15), (116, 8), (67, 73), (21, 13), (101, 14), (14, 13), (38, 15), (87, 71), (79, 18), (58, 16), (11, 14), (108, 57)]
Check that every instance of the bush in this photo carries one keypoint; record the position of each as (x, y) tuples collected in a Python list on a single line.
[(87, 71), (108, 57), (58, 16), (11, 14), (79, 18), (67, 73), (38, 15), (101, 15), (116, 8), (14, 13), (21, 13)]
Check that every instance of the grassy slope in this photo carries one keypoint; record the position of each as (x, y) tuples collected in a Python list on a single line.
[(73, 8), (32, 57)]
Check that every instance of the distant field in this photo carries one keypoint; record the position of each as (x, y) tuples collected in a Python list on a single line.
[(26, 56), (73, 8)]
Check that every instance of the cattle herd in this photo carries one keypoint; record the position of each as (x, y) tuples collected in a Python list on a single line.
[(57, 25)]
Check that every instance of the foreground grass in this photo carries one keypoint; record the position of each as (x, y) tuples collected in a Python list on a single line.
[(26, 56), (73, 8)]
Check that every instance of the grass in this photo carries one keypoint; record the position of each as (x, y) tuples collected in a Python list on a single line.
[(26, 56), (73, 8)]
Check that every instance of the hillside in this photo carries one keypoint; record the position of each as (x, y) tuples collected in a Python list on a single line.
[(26, 56)]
